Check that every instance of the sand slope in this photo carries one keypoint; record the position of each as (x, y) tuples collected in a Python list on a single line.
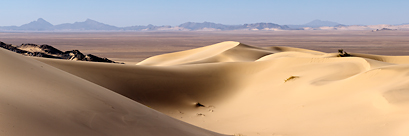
[(246, 90), (38, 99)]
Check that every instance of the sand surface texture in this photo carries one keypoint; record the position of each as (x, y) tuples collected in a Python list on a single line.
[(37, 99), (228, 88)]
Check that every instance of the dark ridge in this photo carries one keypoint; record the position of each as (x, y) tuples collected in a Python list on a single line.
[(73, 55), (11, 48), (50, 49), (199, 105), (47, 51), (40, 54), (90, 57), (343, 53), (27, 45), (46, 48)]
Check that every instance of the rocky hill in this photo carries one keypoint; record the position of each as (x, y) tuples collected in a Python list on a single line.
[(47, 51)]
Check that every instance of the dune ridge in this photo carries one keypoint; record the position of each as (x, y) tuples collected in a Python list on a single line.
[(228, 51), (236, 89)]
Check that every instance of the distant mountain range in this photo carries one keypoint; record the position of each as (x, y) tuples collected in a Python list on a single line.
[(208, 25), (317, 23), (86, 25), (92, 25), (42, 25)]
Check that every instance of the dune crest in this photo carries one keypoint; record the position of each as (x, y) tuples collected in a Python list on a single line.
[(228, 51), (233, 88)]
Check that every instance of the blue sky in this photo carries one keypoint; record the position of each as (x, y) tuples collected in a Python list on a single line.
[(175, 12)]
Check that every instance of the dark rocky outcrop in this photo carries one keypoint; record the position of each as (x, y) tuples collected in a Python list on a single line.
[(384, 29), (12, 48), (47, 51)]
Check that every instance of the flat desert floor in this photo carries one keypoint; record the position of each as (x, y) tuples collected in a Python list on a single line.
[(136, 46), (287, 83)]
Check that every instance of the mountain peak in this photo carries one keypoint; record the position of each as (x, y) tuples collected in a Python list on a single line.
[(41, 20), (90, 20), (38, 25), (316, 20)]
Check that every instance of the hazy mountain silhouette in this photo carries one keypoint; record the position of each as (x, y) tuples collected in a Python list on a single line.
[(316, 23), (197, 26), (86, 25), (259, 26), (9, 28), (149, 27), (42, 25), (38, 25), (319, 23), (92, 25)]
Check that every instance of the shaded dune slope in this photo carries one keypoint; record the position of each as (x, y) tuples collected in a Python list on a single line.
[(272, 91), (38, 99), (159, 87)]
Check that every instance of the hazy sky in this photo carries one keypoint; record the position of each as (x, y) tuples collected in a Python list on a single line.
[(175, 12)]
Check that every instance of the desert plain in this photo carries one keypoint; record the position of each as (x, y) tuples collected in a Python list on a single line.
[(268, 83), (137, 46)]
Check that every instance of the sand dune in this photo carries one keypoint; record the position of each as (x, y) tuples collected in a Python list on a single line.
[(221, 52), (38, 99), (236, 89)]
